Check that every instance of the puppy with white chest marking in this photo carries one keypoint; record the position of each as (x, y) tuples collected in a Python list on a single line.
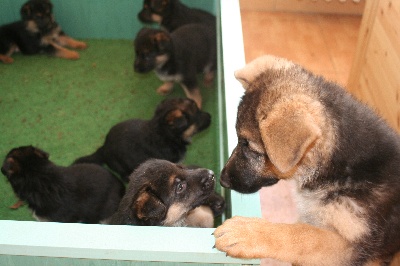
[(163, 193), (345, 159), (178, 57)]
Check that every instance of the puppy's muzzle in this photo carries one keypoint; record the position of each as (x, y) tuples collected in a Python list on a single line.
[(204, 121), (208, 181), (225, 180)]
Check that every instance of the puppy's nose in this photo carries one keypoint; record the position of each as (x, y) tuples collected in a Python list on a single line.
[(204, 121), (224, 180), (208, 180)]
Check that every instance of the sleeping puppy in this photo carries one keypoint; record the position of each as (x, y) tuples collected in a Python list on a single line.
[(85, 193), (165, 136), (172, 14), (37, 32), (344, 158), (164, 193), (178, 57)]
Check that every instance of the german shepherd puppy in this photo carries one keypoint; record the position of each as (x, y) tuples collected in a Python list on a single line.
[(165, 136), (172, 14), (344, 158), (37, 32), (85, 193), (164, 193), (178, 57)]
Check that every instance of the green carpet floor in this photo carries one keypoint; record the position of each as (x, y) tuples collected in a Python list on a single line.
[(67, 107)]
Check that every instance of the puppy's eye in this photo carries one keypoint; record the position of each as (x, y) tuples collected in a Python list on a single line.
[(180, 187), (243, 142)]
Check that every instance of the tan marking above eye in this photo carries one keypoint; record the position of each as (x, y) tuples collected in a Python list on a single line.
[(172, 180), (256, 147)]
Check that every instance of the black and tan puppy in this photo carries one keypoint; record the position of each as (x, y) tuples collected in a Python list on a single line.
[(172, 14), (344, 158), (85, 193), (165, 136), (36, 33), (164, 193), (178, 57)]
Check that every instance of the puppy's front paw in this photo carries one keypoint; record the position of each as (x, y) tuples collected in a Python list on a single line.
[(242, 237), (6, 59), (80, 45)]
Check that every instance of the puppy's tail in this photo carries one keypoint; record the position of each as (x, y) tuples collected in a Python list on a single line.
[(96, 158)]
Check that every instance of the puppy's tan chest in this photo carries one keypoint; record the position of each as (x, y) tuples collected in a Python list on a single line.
[(342, 214), (166, 77)]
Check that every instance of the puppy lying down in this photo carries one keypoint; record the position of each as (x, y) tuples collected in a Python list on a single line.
[(84, 193), (165, 136), (163, 193)]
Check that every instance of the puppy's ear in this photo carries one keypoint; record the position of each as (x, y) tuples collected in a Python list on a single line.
[(247, 74), (162, 39), (26, 11), (40, 153), (149, 206), (287, 133)]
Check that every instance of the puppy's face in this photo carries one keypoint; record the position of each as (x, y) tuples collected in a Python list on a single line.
[(278, 126), (181, 118), (152, 48), (154, 10), (162, 193), (248, 169), (20, 160), (40, 12)]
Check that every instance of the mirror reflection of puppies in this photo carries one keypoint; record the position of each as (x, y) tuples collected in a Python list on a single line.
[(165, 136), (178, 57), (164, 193)]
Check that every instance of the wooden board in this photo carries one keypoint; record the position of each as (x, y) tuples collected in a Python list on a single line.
[(374, 76)]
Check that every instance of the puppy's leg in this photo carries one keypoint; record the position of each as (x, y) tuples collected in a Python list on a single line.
[(64, 53), (201, 216), (194, 94), (165, 88), (301, 244), (6, 58), (208, 78), (16, 205), (209, 75), (65, 40)]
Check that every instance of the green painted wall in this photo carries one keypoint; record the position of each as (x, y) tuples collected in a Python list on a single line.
[(98, 19)]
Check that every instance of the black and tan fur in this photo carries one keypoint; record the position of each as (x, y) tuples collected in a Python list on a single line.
[(85, 193), (163, 193), (344, 158), (37, 32), (172, 14), (165, 136), (178, 57)]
